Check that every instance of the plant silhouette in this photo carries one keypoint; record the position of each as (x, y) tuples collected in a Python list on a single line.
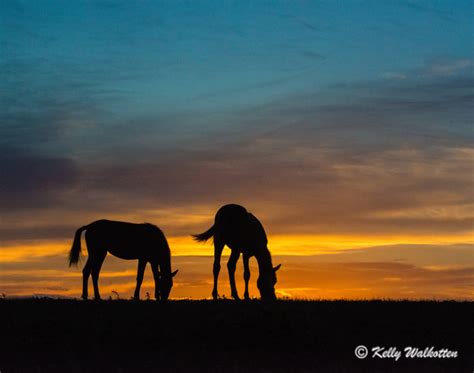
[(243, 233), (144, 242)]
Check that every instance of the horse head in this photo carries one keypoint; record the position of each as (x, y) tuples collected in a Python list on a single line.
[(266, 283), (165, 284)]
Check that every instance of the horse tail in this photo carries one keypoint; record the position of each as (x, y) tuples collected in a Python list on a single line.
[(75, 252), (203, 237)]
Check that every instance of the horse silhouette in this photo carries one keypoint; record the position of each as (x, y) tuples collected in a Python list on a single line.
[(144, 242), (243, 233)]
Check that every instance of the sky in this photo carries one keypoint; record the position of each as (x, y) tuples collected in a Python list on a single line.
[(346, 127)]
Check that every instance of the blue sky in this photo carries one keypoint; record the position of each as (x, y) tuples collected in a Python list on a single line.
[(189, 67)]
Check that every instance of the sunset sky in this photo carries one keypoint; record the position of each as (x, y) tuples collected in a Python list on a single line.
[(345, 127)]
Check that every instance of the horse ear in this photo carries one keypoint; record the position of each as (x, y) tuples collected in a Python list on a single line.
[(174, 273), (276, 268)]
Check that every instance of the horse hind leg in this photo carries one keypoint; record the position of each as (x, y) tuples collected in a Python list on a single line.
[(85, 278), (96, 266), (218, 247)]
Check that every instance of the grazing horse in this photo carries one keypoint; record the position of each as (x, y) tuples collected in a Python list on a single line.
[(243, 233), (144, 242)]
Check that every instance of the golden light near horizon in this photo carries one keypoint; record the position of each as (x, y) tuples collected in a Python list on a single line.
[(298, 245), (310, 268)]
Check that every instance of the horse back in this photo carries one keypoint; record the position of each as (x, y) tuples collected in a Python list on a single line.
[(126, 240), (240, 229)]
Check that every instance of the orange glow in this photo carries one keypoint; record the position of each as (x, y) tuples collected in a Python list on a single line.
[(278, 245), (314, 245), (326, 267), (32, 251)]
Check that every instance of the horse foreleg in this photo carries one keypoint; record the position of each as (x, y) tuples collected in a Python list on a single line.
[(218, 247), (246, 276), (85, 279), (140, 272), (96, 266), (156, 276), (231, 264)]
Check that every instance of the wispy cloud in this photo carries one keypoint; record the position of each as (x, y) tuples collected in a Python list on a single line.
[(448, 67), (381, 158)]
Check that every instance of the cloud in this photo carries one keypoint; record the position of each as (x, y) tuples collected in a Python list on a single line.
[(31, 182), (448, 67), (362, 158)]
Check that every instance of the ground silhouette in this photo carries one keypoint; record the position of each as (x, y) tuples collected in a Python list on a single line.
[(243, 233), (227, 336), (145, 242)]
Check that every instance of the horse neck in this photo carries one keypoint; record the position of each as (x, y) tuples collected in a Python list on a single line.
[(264, 260), (165, 264)]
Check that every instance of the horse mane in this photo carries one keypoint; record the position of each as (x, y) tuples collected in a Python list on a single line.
[(163, 241), (264, 259), (253, 219), (167, 252)]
